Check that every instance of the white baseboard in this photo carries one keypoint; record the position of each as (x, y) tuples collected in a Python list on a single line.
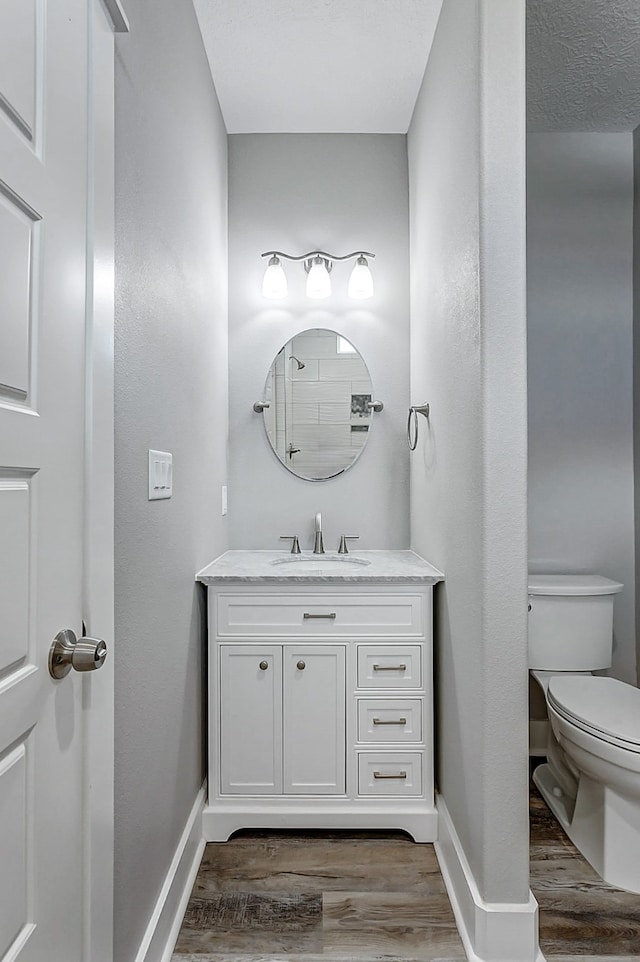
[(490, 931), (164, 925)]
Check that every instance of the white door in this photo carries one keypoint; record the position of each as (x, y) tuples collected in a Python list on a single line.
[(314, 719), (250, 701), (44, 861)]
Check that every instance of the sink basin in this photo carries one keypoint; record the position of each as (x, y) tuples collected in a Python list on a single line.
[(320, 561)]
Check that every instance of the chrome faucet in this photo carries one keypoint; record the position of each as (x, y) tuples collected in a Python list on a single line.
[(318, 547)]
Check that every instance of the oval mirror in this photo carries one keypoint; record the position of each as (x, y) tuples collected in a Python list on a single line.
[(319, 415)]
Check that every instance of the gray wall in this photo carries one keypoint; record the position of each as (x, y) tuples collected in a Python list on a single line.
[(171, 394), (297, 193), (580, 292), (468, 474)]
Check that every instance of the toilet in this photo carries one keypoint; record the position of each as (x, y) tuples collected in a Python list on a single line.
[(591, 779)]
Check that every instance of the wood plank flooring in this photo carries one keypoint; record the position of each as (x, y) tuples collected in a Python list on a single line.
[(582, 918), (333, 897), (319, 897)]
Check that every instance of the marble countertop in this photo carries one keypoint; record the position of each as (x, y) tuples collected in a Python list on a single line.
[(281, 567)]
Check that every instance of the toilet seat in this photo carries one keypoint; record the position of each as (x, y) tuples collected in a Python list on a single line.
[(605, 708)]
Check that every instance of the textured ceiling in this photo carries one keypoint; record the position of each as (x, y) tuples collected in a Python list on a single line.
[(302, 66), (583, 64)]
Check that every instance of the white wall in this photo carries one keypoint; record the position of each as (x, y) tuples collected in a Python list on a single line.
[(339, 193), (468, 474), (171, 394), (580, 345)]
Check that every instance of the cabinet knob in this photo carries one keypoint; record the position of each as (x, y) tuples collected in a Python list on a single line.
[(264, 665), (301, 666)]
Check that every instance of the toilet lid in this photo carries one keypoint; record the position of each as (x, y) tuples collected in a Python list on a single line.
[(605, 707), (568, 585)]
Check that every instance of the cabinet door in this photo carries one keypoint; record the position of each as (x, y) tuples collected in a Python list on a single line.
[(251, 719), (314, 720)]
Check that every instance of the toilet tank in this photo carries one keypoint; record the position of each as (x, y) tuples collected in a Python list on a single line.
[(571, 622)]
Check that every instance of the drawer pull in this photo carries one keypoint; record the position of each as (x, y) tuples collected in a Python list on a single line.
[(382, 721), (264, 665), (389, 667), (331, 615), (389, 775), (301, 665)]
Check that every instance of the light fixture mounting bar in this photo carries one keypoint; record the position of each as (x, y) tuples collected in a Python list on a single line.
[(305, 257)]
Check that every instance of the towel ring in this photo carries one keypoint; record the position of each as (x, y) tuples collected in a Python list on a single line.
[(412, 422)]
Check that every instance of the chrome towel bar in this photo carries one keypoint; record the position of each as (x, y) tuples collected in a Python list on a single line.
[(412, 422)]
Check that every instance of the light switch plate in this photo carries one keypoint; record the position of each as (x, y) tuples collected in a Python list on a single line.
[(160, 475)]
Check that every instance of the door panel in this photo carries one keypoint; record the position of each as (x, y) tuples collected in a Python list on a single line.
[(13, 845), (251, 719), (43, 231), (314, 720), (19, 62), (17, 244), (15, 517)]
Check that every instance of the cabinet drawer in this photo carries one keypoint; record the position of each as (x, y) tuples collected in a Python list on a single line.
[(381, 666), (386, 720), (397, 773), (312, 616)]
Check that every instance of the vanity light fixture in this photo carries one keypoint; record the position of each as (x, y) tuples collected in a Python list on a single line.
[(318, 280), (274, 283), (318, 266), (361, 282)]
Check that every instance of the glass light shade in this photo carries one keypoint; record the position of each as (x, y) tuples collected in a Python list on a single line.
[(274, 283), (361, 281), (318, 280)]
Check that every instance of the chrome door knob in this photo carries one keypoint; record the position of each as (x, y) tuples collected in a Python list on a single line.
[(81, 654)]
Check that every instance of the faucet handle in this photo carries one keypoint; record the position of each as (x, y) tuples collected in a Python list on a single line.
[(295, 544), (343, 542)]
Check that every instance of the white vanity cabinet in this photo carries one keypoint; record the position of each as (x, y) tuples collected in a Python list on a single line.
[(320, 703), (282, 719)]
